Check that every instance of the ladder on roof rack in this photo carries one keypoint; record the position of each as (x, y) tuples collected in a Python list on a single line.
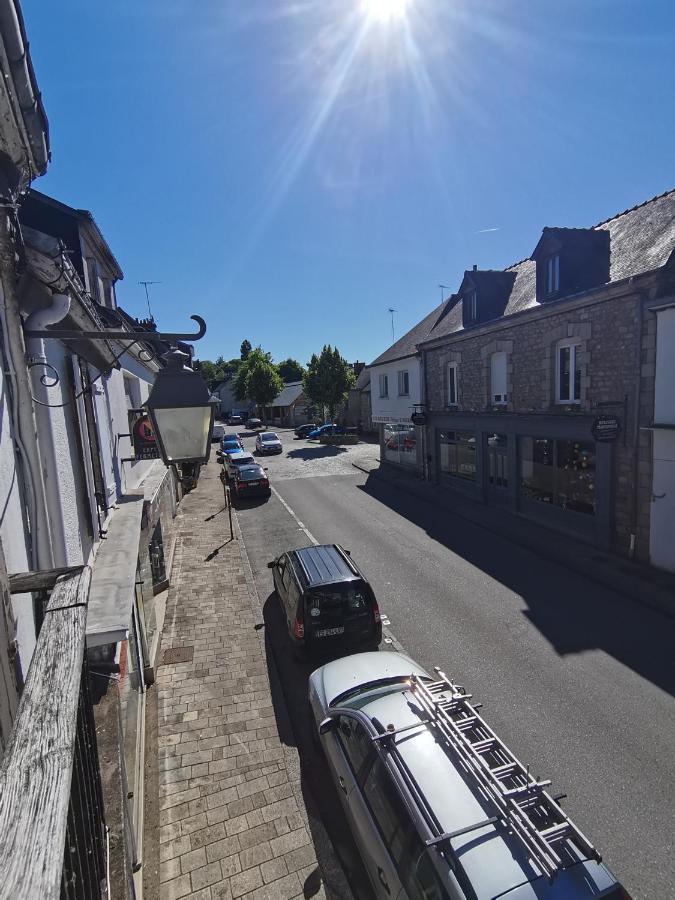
[(532, 814)]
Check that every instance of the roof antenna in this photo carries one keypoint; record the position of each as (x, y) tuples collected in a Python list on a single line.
[(392, 311), (147, 296), (444, 288)]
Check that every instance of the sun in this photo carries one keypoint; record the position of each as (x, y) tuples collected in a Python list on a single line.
[(384, 10)]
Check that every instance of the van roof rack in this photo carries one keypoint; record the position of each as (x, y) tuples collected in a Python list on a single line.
[(519, 800)]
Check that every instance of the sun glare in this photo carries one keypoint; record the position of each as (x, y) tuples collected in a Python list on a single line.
[(384, 10)]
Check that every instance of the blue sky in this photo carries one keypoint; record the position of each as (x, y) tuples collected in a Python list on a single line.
[(289, 169)]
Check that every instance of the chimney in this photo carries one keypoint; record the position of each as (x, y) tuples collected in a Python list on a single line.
[(475, 268)]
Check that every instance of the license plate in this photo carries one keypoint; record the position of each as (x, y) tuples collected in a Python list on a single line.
[(253, 483), (330, 632)]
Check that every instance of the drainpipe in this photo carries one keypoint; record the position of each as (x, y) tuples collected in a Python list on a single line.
[(636, 434), (25, 435), (37, 357)]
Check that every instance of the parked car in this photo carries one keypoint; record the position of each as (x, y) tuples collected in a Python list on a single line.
[(231, 461), (250, 481), (254, 424), (268, 442), (326, 599), (325, 429), (231, 443), (430, 822), (303, 430), (218, 432), (235, 420)]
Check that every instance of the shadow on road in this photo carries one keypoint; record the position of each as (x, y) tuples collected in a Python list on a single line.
[(319, 452), (288, 679), (573, 613)]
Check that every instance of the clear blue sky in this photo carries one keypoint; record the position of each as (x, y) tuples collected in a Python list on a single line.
[(289, 169)]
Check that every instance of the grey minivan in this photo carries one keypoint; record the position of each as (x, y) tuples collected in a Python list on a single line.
[(440, 809)]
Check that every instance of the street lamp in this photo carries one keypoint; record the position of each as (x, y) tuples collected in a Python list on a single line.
[(181, 412)]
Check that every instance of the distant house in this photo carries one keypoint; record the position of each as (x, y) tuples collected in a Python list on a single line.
[(358, 410), (224, 391), (289, 407)]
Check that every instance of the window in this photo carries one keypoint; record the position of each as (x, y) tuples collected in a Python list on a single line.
[(568, 374), (400, 444), (403, 384), (472, 301), (498, 378), (356, 743), (384, 385), (497, 458), (387, 809), (561, 473), (553, 274), (452, 384), (458, 454)]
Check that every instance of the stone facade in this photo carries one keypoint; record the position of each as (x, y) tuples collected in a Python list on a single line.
[(606, 334)]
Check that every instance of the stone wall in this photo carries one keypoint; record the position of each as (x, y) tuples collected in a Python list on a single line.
[(606, 335)]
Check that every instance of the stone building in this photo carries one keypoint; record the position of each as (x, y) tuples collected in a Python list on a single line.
[(537, 379)]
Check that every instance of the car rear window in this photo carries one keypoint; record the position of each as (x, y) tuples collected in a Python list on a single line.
[(251, 474), (244, 461), (348, 602)]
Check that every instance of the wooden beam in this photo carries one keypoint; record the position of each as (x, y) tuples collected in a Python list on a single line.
[(25, 582), (37, 766)]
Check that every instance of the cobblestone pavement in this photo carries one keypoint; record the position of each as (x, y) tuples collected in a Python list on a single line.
[(232, 821)]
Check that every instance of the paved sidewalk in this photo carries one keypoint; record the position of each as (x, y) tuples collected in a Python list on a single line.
[(231, 823)]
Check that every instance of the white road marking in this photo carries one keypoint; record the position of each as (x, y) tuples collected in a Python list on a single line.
[(390, 639)]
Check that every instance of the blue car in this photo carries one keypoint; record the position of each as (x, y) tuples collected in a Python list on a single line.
[(325, 429), (231, 444)]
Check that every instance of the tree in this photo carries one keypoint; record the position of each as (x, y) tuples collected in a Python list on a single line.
[(291, 370), (210, 372), (257, 378), (245, 349), (328, 379)]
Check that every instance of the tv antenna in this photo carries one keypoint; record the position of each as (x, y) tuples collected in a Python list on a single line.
[(147, 295), (392, 311), (444, 288)]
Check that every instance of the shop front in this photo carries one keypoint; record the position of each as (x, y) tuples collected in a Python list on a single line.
[(399, 442), (546, 468)]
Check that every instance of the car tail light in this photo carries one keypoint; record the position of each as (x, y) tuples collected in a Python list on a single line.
[(376, 612), (298, 629), (264, 481)]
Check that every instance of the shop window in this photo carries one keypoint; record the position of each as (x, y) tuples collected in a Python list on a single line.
[(497, 460), (384, 385), (498, 394), (453, 393), (157, 560), (400, 444), (561, 473), (403, 384), (458, 454), (568, 374)]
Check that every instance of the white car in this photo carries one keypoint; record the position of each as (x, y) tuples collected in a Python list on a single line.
[(268, 442), (218, 432)]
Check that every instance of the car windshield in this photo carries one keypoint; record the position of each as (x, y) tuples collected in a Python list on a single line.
[(269, 436), (362, 693)]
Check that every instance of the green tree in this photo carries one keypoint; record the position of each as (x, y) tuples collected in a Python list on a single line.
[(328, 379), (257, 378), (245, 349), (291, 370), (211, 372)]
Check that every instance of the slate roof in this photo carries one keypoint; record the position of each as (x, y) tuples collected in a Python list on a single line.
[(363, 381), (407, 345), (291, 392), (641, 239)]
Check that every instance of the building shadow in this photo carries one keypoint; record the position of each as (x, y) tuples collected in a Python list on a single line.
[(319, 452), (288, 678), (574, 613)]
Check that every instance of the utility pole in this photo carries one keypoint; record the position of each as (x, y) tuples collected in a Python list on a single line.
[(147, 295), (392, 311)]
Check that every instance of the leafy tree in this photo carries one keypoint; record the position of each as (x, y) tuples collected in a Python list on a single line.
[(328, 379), (245, 349), (291, 370), (257, 378), (211, 372)]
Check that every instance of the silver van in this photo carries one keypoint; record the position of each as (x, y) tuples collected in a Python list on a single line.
[(439, 807)]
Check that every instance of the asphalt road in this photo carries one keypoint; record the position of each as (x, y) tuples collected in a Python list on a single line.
[(578, 680)]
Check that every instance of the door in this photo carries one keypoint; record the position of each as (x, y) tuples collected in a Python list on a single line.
[(384, 828), (662, 518), (496, 468)]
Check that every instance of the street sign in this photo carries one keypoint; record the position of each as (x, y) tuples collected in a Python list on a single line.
[(606, 429), (142, 435)]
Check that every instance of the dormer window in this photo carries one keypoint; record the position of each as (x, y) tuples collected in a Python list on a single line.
[(553, 274)]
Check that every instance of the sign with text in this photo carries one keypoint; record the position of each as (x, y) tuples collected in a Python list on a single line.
[(418, 419), (142, 435), (606, 429)]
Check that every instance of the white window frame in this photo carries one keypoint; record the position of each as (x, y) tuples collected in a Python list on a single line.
[(453, 368), (403, 376), (573, 347), (497, 376), (384, 384), (553, 273)]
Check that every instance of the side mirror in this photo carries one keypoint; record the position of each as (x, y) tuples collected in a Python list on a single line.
[(348, 552), (271, 565), (327, 725), (265, 469)]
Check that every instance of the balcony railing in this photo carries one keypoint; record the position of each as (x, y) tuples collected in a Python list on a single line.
[(52, 829)]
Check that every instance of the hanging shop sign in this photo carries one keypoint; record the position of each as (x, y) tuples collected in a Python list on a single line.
[(606, 429), (418, 419), (142, 435)]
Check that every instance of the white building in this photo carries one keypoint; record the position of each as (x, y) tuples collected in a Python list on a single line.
[(396, 392)]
